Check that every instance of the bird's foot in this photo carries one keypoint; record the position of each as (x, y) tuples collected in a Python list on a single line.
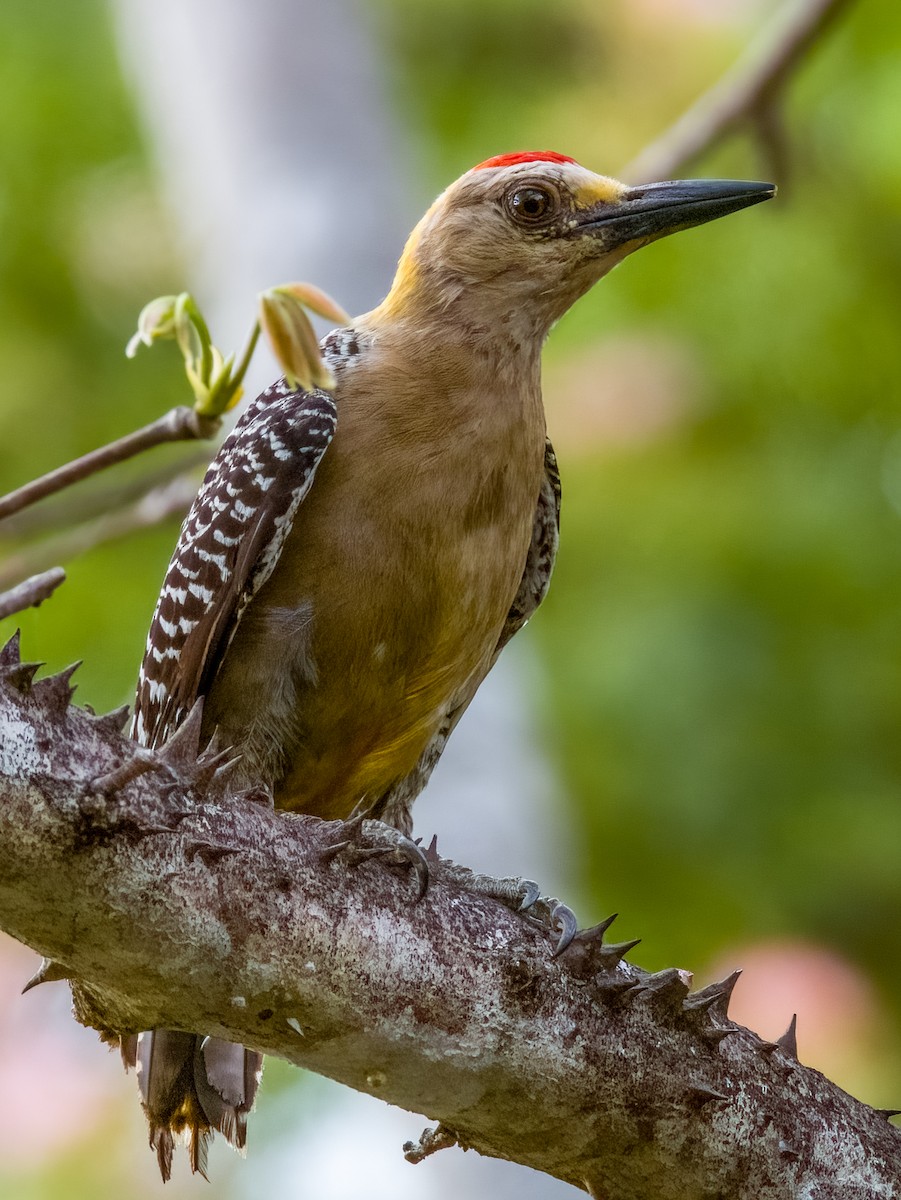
[(363, 838), (522, 895)]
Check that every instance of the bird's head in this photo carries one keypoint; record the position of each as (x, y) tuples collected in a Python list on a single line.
[(517, 239)]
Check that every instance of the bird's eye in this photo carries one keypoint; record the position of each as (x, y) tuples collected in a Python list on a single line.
[(528, 205)]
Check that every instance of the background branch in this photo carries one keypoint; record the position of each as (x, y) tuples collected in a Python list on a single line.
[(747, 92), (178, 425), (172, 499), (31, 592), (85, 504)]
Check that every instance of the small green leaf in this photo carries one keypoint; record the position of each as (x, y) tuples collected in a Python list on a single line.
[(155, 322), (290, 335), (316, 299)]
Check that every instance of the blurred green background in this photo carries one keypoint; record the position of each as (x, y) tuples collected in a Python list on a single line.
[(722, 644)]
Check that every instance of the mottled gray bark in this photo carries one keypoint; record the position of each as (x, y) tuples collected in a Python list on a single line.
[(170, 903)]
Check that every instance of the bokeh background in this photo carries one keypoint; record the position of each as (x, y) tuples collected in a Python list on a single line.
[(715, 679)]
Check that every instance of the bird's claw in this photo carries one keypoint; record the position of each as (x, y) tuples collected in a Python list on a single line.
[(522, 896), (565, 919), (410, 852), (401, 850)]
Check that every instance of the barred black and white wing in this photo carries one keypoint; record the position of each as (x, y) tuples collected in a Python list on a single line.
[(536, 576), (229, 545)]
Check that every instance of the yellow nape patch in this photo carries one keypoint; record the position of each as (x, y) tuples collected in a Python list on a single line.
[(405, 281), (600, 189), (406, 278)]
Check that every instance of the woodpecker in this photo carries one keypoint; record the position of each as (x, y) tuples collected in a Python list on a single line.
[(355, 560)]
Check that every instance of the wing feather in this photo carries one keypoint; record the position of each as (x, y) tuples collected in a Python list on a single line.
[(536, 576), (229, 545)]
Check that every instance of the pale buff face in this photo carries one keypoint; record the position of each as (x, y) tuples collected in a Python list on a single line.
[(486, 238), (523, 241)]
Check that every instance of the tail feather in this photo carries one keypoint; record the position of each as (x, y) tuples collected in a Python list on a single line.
[(128, 1047), (198, 1146), (161, 1141), (193, 1085), (226, 1078)]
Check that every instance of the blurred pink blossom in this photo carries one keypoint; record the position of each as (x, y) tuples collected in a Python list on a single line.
[(56, 1080), (839, 1015)]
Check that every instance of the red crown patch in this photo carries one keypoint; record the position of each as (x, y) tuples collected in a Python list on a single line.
[(524, 156)]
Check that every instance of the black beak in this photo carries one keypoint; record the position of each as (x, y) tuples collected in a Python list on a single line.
[(654, 210)]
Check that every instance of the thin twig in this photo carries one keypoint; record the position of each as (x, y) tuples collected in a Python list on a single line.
[(74, 508), (178, 425), (31, 592), (157, 506), (747, 89)]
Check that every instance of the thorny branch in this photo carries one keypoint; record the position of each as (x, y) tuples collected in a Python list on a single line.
[(620, 1082), (746, 94)]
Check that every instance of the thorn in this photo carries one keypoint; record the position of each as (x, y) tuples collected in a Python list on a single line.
[(700, 1094), (888, 1113), (219, 766), (9, 654), (21, 675), (353, 826), (351, 831), (588, 953), (55, 689), (595, 933), (222, 777), (115, 721), (402, 851), (713, 998), (141, 761), (431, 852), (765, 1048), (330, 852), (48, 972), (617, 991), (789, 1040), (209, 853), (181, 752), (293, 1023), (668, 987), (258, 794), (430, 1142), (714, 1036), (150, 830), (564, 917), (613, 954), (530, 895)]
